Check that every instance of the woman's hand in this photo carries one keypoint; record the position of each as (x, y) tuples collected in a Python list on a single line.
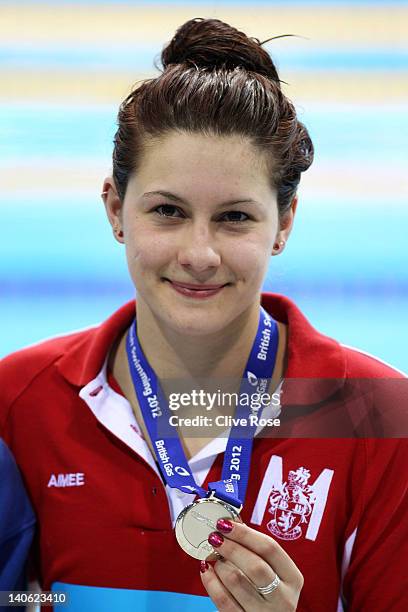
[(249, 560)]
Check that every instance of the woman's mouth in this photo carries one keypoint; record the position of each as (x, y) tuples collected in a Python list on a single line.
[(195, 290)]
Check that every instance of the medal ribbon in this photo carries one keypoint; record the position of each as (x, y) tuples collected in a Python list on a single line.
[(156, 412)]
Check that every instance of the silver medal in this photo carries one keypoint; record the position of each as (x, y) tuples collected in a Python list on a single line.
[(195, 523)]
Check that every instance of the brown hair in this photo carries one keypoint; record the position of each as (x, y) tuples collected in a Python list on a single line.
[(216, 81)]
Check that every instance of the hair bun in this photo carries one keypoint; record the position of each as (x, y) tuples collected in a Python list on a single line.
[(209, 43)]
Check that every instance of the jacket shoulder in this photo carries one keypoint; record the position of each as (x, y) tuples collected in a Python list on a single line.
[(364, 365), (20, 368)]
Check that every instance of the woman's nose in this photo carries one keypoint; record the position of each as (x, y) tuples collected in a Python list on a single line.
[(198, 249)]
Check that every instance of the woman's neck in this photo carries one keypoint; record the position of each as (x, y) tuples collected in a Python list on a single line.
[(220, 356), (184, 356)]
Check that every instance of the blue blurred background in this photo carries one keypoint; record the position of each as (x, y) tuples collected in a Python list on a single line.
[(65, 68)]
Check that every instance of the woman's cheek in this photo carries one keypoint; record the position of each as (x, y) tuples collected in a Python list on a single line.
[(252, 258), (146, 254)]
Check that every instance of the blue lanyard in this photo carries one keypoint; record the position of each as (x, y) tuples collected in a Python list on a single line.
[(156, 413)]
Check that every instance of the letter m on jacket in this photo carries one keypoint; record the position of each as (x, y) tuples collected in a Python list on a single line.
[(296, 506)]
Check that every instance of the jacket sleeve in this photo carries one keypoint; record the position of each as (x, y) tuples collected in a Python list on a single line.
[(16, 524), (376, 575)]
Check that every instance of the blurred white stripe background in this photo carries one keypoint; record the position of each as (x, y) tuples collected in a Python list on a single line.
[(66, 67)]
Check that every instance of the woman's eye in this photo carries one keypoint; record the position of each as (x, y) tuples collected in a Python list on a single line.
[(235, 216), (172, 212), (167, 210)]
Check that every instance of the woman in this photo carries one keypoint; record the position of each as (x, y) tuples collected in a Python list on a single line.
[(206, 166)]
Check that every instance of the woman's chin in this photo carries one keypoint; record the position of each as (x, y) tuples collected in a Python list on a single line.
[(196, 326)]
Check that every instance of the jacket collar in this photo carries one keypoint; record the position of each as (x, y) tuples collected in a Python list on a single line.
[(316, 364)]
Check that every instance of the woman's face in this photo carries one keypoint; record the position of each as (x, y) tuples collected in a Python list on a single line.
[(199, 212)]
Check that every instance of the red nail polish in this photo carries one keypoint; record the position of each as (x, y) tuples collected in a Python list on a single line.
[(224, 525), (204, 566), (215, 539)]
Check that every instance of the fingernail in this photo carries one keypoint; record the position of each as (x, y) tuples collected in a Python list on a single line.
[(224, 525), (215, 539), (204, 566)]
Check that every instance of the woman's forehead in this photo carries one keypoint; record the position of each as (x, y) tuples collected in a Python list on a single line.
[(203, 161)]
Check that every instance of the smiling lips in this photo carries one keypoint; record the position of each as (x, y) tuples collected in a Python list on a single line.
[(196, 291)]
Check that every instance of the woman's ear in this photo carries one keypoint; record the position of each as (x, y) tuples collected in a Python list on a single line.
[(113, 207), (286, 223), (285, 227)]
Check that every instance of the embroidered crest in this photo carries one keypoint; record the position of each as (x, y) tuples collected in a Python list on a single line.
[(291, 505)]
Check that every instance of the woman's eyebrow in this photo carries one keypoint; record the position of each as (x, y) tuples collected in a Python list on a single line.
[(178, 199)]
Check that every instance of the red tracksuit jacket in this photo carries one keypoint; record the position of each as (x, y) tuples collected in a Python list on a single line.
[(330, 486)]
